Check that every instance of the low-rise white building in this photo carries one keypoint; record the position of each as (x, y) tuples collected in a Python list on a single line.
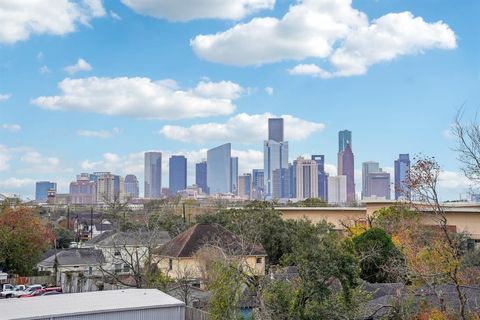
[(132, 304)]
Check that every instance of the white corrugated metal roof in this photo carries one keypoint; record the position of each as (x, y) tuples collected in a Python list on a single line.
[(85, 303)]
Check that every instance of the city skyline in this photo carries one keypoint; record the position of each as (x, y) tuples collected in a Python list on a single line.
[(304, 178), (404, 103), (389, 189)]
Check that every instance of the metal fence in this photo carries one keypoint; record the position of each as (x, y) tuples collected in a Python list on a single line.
[(196, 314)]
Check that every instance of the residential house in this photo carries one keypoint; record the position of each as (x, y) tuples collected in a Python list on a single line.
[(75, 269), (188, 254), (126, 250)]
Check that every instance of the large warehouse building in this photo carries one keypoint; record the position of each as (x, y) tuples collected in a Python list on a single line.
[(131, 304)]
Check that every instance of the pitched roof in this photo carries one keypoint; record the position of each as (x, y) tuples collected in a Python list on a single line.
[(73, 257), (187, 243), (131, 238), (103, 226)]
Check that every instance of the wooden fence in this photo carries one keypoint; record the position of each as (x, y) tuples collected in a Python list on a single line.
[(196, 314), (32, 280)]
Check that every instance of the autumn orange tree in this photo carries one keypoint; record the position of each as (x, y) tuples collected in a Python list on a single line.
[(23, 238), (438, 259)]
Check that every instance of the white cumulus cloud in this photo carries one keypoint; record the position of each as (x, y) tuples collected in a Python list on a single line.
[(5, 156), (104, 134), (143, 98), (4, 97), (11, 127), (242, 128), (36, 158), (44, 70), (269, 90), (310, 70), (453, 180), (186, 10), (332, 31), (81, 65), (15, 183), (21, 19)]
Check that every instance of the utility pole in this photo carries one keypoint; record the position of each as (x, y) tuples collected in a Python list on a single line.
[(91, 222), (184, 215), (68, 217)]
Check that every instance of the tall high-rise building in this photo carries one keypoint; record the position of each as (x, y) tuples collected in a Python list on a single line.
[(322, 177), (344, 138), (153, 175), (292, 180), (281, 184), (368, 167), (42, 188), (201, 176), (306, 178), (379, 185), (275, 162), (245, 186), (131, 187), (177, 174), (257, 184), (402, 167), (275, 129), (219, 169), (84, 190), (346, 167), (110, 187), (234, 178), (337, 190)]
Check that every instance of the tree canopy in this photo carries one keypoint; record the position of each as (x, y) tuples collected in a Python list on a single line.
[(23, 238)]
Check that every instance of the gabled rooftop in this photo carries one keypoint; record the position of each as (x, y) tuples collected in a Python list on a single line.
[(187, 243), (130, 238), (73, 257)]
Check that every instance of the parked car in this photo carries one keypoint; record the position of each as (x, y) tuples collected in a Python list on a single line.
[(28, 290), (36, 293), (51, 293), (42, 292), (8, 290)]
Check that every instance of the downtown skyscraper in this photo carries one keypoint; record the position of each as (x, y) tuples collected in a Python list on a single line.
[(177, 174), (234, 173), (379, 185), (306, 178), (322, 176), (402, 167), (367, 168), (131, 186), (275, 161), (344, 138), (201, 176), (153, 175), (42, 188), (219, 169), (346, 162)]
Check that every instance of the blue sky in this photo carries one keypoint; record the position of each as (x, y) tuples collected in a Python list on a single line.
[(394, 78)]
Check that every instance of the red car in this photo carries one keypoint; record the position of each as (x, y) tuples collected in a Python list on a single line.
[(35, 293), (41, 292)]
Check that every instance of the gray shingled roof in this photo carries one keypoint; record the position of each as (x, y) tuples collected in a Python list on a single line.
[(73, 257), (132, 238)]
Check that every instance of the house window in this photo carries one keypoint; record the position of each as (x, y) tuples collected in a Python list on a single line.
[(126, 268), (116, 253), (259, 260), (470, 244), (90, 270), (118, 267), (170, 264)]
